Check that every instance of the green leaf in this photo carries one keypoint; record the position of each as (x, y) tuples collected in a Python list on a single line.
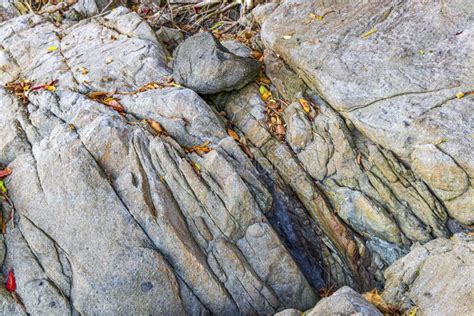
[(3, 189)]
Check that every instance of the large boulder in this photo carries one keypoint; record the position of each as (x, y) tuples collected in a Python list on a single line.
[(203, 64), (395, 70), (435, 278)]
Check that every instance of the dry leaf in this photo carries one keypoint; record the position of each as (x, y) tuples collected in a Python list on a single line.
[(305, 105), (83, 70), (233, 134), (265, 93), (5, 172), (412, 311), (204, 148), (374, 298), (114, 104), (367, 34), (156, 127), (460, 95)]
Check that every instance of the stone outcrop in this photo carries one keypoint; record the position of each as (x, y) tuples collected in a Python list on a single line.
[(393, 69), (110, 216), (435, 278), (344, 301), (134, 195)]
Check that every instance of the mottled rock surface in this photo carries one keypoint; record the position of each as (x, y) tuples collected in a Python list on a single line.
[(344, 302), (435, 277), (113, 218), (120, 212), (393, 68), (203, 64)]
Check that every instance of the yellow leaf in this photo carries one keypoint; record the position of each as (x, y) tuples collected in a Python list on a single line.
[(83, 70), (412, 311), (52, 48), (305, 105), (265, 93), (50, 88), (459, 95), (367, 34)]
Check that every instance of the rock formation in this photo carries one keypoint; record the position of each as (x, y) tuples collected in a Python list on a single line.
[(134, 194)]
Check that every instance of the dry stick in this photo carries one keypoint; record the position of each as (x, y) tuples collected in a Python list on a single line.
[(107, 6), (226, 8)]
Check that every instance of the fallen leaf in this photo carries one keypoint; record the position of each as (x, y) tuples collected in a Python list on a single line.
[(233, 134), (305, 105), (52, 48), (199, 148), (3, 189), (5, 172), (83, 70), (287, 37), (374, 298), (156, 127), (264, 93), (114, 104), (11, 282), (412, 311), (460, 95), (359, 158), (97, 94), (367, 34)]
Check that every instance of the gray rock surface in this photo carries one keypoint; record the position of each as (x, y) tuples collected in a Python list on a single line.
[(117, 214), (435, 277), (393, 69), (204, 65), (343, 302), (112, 217)]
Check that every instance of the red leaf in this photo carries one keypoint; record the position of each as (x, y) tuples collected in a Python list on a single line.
[(5, 172), (11, 282)]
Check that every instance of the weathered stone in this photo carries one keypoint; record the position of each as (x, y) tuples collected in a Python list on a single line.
[(434, 278), (344, 301), (204, 65), (112, 216), (287, 82), (393, 69)]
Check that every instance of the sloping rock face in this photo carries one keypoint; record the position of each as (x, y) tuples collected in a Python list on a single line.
[(435, 277), (112, 218), (116, 215), (393, 69)]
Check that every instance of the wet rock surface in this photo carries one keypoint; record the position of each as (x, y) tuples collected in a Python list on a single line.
[(178, 205)]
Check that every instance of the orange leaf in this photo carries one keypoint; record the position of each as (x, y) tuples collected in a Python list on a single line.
[(233, 134), (374, 298), (5, 172), (156, 127), (113, 104)]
